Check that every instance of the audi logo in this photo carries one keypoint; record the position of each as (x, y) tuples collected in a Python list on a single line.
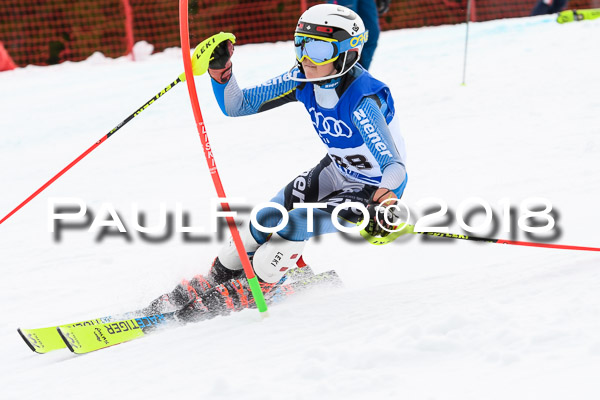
[(329, 125)]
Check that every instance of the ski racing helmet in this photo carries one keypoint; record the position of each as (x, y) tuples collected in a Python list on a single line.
[(329, 33)]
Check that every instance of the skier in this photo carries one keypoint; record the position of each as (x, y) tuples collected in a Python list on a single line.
[(543, 7), (354, 116)]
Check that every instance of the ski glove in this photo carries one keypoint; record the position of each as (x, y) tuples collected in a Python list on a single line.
[(220, 65), (381, 215), (383, 6)]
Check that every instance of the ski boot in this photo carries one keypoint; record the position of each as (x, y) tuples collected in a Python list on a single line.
[(230, 290), (188, 293)]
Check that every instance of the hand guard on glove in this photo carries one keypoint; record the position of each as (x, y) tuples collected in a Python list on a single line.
[(383, 6), (381, 215), (220, 65)]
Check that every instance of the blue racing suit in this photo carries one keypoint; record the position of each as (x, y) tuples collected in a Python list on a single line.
[(354, 116)]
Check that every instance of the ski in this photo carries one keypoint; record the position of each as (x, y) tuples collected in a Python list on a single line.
[(88, 338), (45, 340), (577, 15), (81, 339)]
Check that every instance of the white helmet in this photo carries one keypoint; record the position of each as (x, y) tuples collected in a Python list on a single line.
[(340, 35)]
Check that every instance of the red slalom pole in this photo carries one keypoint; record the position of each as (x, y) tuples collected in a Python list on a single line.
[(210, 160), (129, 28), (93, 147)]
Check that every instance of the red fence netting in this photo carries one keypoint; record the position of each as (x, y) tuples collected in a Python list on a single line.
[(47, 32)]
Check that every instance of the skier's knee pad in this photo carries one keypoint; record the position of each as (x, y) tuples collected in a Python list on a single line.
[(228, 255), (274, 258)]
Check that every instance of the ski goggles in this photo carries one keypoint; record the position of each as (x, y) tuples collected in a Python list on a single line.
[(323, 51)]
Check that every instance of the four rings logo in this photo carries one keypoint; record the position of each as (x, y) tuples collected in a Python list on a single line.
[(329, 125)]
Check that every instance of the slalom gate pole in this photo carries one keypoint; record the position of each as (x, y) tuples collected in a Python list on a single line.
[(210, 160), (466, 43), (410, 229), (93, 147)]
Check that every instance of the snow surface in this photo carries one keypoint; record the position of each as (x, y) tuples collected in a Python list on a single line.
[(417, 319)]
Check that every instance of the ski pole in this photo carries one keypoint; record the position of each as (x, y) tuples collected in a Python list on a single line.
[(202, 58), (410, 229), (197, 70)]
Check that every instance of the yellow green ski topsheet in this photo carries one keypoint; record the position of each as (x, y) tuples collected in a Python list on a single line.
[(44, 340), (84, 339), (95, 334), (577, 15)]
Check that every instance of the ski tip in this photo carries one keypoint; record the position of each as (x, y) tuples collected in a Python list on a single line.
[(63, 336), (27, 341)]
